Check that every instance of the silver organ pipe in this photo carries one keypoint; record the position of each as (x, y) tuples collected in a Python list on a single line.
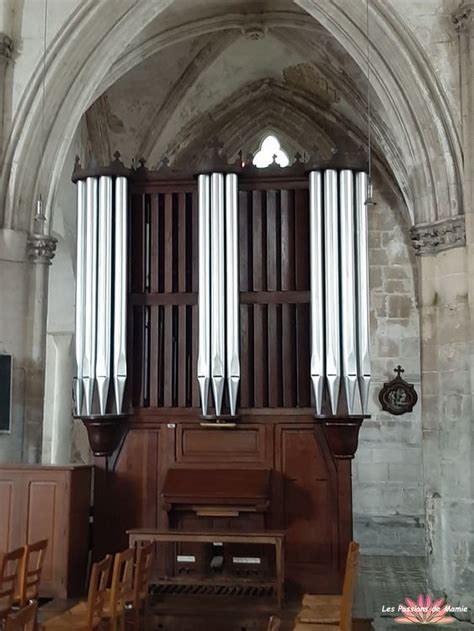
[(219, 339), (80, 295), (120, 292), (317, 287), (204, 299), (217, 290), (339, 288), (333, 333), (232, 290), (90, 328), (363, 321), (104, 291), (101, 293), (348, 287)]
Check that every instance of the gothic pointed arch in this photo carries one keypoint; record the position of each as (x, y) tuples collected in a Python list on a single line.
[(414, 108)]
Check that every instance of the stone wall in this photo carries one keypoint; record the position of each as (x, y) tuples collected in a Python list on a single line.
[(387, 470), (13, 308)]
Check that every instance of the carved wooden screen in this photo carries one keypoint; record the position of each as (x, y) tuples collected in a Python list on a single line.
[(163, 298), (274, 294), (274, 285)]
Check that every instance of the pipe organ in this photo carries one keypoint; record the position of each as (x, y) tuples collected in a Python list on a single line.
[(218, 359), (339, 288), (241, 290), (101, 294)]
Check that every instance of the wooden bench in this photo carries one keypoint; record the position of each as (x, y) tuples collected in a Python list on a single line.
[(269, 537)]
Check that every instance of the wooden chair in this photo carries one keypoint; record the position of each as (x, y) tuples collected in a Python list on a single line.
[(274, 624), (120, 590), (10, 571), (141, 578), (31, 570), (24, 619), (89, 617), (327, 609)]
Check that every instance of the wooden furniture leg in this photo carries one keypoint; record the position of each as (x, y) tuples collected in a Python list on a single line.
[(280, 571)]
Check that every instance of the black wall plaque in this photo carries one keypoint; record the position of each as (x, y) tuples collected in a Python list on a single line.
[(398, 396), (5, 392)]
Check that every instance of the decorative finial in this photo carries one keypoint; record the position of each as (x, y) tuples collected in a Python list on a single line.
[(398, 370)]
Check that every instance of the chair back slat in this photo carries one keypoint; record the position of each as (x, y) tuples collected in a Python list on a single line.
[(348, 588), (10, 571), (31, 572), (274, 623), (144, 560), (24, 619), (122, 579), (97, 591)]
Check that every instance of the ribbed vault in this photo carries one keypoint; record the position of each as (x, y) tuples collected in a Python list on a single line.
[(413, 125)]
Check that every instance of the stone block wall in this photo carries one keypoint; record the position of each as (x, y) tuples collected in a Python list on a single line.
[(13, 305), (388, 467)]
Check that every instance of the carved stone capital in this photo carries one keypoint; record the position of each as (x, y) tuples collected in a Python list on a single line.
[(6, 47), (463, 16), (41, 248), (441, 235)]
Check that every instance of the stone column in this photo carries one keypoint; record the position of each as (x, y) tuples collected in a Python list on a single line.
[(446, 269), (57, 427), (463, 20), (41, 249), (447, 423), (6, 50)]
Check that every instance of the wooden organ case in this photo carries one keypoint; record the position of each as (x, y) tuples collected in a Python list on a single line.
[(295, 469)]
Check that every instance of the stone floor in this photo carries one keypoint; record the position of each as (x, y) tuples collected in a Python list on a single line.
[(387, 581), (383, 581)]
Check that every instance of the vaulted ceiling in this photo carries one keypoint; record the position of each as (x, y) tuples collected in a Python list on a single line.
[(158, 78), (233, 71)]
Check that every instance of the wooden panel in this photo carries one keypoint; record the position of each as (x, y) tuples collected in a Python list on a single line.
[(45, 514), (274, 251), (247, 366), (258, 243), (274, 356), (168, 357), (194, 346), (136, 471), (289, 368), (273, 239), (137, 362), (127, 496), (137, 238), (260, 357), (224, 446), (245, 240), (79, 530), (287, 243), (309, 497), (9, 526), (155, 244), (303, 355), (49, 502), (164, 283), (301, 240), (168, 259), (182, 372)]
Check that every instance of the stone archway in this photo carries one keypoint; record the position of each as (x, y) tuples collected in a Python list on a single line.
[(413, 101)]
